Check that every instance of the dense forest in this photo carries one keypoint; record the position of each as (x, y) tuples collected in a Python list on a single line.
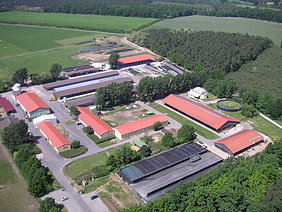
[(240, 184), (212, 50), (146, 8)]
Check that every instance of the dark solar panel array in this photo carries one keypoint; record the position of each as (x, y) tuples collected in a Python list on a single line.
[(120, 50), (162, 161), (76, 68)]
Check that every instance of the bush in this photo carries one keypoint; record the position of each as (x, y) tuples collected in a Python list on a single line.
[(36, 150), (249, 111), (145, 151), (157, 125), (88, 130), (75, 144), (73, 152), (100, 171)]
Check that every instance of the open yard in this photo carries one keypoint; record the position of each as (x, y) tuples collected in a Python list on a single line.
[(78, 21), (13, 189), (226, 24)]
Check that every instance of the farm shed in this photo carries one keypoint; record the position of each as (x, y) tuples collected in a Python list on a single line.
[(239, 142), (82, 72), (89, 88), (201, 113), (50, 117), (52, 85), (81, 102), (6, 105), (100, 128), (33, 105), (139, 143), (54, 137), (135, 60), (137, 127), (153, 177), (198, 92)]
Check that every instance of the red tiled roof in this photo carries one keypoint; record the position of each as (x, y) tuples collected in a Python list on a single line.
[(240, 140), (198, 111), (97, 124), (136, 58), (140, 124), (6, 105), (31, 102), (57, 139)]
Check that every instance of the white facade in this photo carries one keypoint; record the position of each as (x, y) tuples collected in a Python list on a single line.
[(42, 118), (198, 92)]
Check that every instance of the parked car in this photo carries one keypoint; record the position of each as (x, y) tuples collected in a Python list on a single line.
[(64, 198), (94, 197)]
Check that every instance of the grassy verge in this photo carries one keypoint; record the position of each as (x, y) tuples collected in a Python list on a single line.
[(101, 142), (200, 130), (73, 152), (70, 122), (13, 191), (258, 123), (62, 130)]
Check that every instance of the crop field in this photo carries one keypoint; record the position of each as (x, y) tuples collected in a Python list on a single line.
[(38, 48), (226, 24), (78, 21), (263, 74)]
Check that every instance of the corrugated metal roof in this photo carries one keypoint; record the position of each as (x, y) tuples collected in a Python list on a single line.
[(93, 87), (136, 58), (31, 102), (241, 140), (139, 143), (53, 85), (140, 124), (6, 105), (198, 111), (97, 124), (82, 71), (56, 138)]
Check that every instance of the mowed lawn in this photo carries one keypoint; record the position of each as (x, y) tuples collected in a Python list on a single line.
[(13, 193), (38, 48), (226, 24), (91, 22)]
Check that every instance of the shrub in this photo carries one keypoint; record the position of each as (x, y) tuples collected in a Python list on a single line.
[(73, 152), (88, 130), (100, 171), (145, 151), (36, 150), (75, 144), (249, 111)]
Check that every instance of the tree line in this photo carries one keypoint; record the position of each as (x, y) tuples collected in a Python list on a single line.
[(17, 140), (147, 8), (212, 50), (239, 184)]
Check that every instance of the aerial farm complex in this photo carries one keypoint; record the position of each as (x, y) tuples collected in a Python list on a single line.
[(48, 110)]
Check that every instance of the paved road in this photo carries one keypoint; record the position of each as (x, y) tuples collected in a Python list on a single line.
[(268, 119)]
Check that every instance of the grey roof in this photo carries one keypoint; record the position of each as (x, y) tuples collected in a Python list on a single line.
[(81, 102), (161, 161), (173, 68), (92, 87), (53, 85), (7, 121)]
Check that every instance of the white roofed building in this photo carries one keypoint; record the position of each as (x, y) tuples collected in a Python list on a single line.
[(51, 118), (198, 92)]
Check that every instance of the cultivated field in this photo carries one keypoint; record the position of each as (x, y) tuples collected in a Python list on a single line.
[(78, 21), (263, 74), (226, 24), (38, 48)]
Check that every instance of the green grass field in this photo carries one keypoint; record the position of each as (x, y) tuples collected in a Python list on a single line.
[(259, 123), (78, 21), (13, 193), (263, 74), (229, 104), (226, 24), (38, 48), (200, 130)]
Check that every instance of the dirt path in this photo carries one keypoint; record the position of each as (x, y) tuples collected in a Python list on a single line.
[(125, 41)]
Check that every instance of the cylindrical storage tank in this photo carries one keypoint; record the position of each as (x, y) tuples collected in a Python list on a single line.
[(16, 89)]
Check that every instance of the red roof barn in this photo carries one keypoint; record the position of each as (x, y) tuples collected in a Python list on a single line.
[(135, 60), (6, 105), (101, 129), (205, 115), (240, 141)]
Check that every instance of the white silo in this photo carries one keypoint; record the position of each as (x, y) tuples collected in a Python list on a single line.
[(16, 89)]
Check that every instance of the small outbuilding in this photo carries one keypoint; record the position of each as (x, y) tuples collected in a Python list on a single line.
[(6, 105), (54, 137), (33, 105), (198, 92)]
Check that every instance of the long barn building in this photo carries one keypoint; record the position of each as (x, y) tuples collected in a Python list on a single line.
[(201, 113)]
